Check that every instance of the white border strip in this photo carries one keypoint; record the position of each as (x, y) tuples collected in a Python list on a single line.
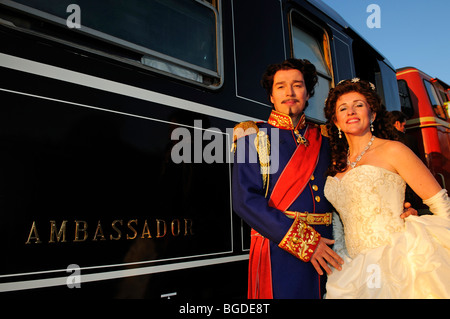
[(112, 111), (61, 281), (37, 68)]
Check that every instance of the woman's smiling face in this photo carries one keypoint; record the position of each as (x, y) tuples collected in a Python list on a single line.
[(353, 114)]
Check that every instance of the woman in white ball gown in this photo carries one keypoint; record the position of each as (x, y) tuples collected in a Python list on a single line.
[(385, 256)]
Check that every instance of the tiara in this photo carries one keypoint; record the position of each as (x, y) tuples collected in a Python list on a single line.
[(355, 80)]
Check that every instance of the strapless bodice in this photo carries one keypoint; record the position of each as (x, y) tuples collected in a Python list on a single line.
[(369, 200)]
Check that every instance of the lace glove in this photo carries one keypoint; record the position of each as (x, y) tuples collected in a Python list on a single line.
[(439, 204), (338, 235)]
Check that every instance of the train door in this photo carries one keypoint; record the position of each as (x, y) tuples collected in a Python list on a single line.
[(423, 100)]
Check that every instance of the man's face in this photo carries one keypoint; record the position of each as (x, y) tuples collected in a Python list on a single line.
[(289, 94)]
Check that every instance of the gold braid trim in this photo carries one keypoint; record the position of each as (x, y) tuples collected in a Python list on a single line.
[(301, 240), (262, 146)]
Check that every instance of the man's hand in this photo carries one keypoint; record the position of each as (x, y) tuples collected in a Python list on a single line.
[(408, 211), (324, 254)]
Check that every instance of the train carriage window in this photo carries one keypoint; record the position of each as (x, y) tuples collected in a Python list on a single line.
[(387, 86), (310, 41), (405, 98), (176, 36), (443, 96), (446, 100), (434, 100)]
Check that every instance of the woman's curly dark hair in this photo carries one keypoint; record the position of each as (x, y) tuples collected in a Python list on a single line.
[(307, 68), (339, 146)]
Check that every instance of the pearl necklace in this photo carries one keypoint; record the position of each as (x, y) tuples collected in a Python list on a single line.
[(353, 164)]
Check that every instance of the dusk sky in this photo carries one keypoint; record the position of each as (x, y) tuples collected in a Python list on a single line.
[(411, 33)]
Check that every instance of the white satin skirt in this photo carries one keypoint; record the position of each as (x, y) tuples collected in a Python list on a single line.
[(415, 264)]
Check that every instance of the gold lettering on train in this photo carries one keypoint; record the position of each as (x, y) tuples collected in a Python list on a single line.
[(33, 235), (158, 228), (132, 229), (175, 227), (118, 230), (188, 226), (59, 234), (99, 232), (82, 229), (146, 231)]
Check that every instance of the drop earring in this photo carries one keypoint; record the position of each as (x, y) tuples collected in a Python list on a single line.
[(339, 133), (371, 126)]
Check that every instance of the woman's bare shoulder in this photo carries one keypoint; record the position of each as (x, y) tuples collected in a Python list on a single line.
[(393, 147)]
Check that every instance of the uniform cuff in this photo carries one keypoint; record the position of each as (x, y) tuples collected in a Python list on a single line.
[(301, 240)]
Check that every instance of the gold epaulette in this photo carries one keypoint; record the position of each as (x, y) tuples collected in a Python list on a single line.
[(324, 130), (243, 129)]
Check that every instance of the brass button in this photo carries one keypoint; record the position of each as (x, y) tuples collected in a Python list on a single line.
[(317, 198), (315, 187), (312, 177)]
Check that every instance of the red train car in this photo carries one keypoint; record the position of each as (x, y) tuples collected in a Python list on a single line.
[(425, 100)]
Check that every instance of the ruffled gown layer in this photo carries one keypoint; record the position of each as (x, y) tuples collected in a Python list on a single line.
[(385, 256)]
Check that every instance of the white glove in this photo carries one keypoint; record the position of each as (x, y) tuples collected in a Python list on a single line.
[(439, 204)]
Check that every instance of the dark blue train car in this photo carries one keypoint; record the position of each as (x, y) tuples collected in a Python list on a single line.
[(115, 123)]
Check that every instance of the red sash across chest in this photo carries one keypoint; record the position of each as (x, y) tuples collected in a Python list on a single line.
[(297, 172)]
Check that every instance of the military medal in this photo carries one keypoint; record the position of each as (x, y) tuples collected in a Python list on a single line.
[(300, 138)]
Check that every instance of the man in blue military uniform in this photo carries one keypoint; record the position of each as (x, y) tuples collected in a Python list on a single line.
[(284, 203)]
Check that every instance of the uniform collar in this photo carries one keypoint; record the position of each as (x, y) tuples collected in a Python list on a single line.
[(283, 121)]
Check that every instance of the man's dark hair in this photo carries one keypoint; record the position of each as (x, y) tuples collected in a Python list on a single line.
[(307, 68), (397, 116)]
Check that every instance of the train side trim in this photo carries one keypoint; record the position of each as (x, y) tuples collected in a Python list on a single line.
[(426, 121), (78, 78), (116, 274)]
